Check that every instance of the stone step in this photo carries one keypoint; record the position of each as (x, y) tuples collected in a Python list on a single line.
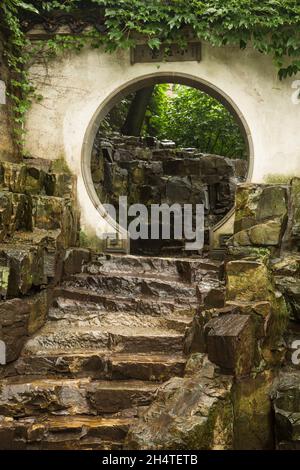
[(63, 433), (67, 337), (131, 286), (29, 397), (114, 302), (79, 317), (100, 365), (184, 269), (151, 367)]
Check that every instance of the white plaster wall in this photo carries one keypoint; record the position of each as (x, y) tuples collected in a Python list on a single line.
[(75, 86)]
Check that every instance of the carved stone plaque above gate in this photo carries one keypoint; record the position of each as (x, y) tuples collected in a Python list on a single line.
[(174, 53)]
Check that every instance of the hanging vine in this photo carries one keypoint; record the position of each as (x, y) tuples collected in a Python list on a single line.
[(271, 27)]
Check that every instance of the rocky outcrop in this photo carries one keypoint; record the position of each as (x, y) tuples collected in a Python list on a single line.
[(246, 336), (38, 221), (21, 318), (193, 412), (261, 215), (151, 172), (160, 348), (253, 414)]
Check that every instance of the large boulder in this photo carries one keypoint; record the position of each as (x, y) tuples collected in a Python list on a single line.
[(74, 260), (178, 190), (25, 268), (54, 213), (231, 343), (15, 213), (248, 280), (261, 215), (13, 177), (250, 288), (194, 412), (253, 417), (20, 318), (195, 340)]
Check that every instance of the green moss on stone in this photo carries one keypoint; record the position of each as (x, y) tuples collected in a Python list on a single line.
[(275, 178), (60, 166)]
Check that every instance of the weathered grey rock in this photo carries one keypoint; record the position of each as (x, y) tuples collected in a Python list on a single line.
[(15, 213), (289, 265), (25, 268), (13, 177), (13, 320), (231, 343), (74, 260), (20, 318), (248, 280), (290, 287), (286, 273), (64, 185), (251, 282), (286, 405), (35, 180), (21, 212), (48, 212), (214, 298), (53, 213), (178, 189), (261, 215), (195, 337), (260, 312), (5, 215), (194, 412), (115, 180), (253, 417), (39, 305)]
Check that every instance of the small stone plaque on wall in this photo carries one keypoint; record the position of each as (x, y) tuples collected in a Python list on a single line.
[(2, 92), (144, 54)]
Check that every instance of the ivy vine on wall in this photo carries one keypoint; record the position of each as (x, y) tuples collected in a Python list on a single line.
[(271, 27)]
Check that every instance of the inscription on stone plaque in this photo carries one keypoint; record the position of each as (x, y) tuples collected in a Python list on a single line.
[(143, 53)]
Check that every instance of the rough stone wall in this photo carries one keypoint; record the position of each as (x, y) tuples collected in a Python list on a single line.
[(7, 151), (263, 280), (38, 222), (153, 172)]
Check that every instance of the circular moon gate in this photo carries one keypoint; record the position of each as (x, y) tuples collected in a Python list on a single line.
[(131, 87)]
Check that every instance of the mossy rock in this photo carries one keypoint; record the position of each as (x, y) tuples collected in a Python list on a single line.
[(194, 412), (248, 281), (253, 424), (260, 215)]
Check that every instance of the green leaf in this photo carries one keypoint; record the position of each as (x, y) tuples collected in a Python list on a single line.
[(28, 7)]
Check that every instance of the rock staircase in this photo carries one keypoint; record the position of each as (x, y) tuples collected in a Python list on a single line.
[(113, 335)]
